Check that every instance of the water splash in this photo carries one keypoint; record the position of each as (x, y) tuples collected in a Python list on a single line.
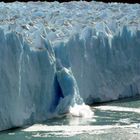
[(81, 111)]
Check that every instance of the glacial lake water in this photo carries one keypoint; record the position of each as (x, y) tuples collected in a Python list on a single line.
[(111, 121)]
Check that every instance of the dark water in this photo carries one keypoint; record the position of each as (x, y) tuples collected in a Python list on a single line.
[(111, 121)]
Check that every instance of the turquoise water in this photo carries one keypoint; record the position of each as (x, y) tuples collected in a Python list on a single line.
[(111, 121)]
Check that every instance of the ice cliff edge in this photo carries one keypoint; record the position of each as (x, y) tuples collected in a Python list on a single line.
[(52, 58)]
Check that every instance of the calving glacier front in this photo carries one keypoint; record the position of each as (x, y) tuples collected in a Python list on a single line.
[(52, 64), (33, 88)]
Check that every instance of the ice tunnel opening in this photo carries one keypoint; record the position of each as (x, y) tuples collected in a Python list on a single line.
[(57, 96)]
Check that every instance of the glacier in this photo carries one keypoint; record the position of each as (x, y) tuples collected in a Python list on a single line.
[(57, 57)]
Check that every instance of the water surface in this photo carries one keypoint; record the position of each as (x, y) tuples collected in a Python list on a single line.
[(111, 121)]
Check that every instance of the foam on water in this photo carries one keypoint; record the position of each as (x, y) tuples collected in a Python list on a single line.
[(41, 127), (117, 108), (68, 131), (95, 132)]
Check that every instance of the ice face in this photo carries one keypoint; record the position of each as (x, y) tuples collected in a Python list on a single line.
[(20, 70), (56, 57), (105, 70)]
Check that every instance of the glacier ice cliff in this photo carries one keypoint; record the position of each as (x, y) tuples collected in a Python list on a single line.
[(56, 57)]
